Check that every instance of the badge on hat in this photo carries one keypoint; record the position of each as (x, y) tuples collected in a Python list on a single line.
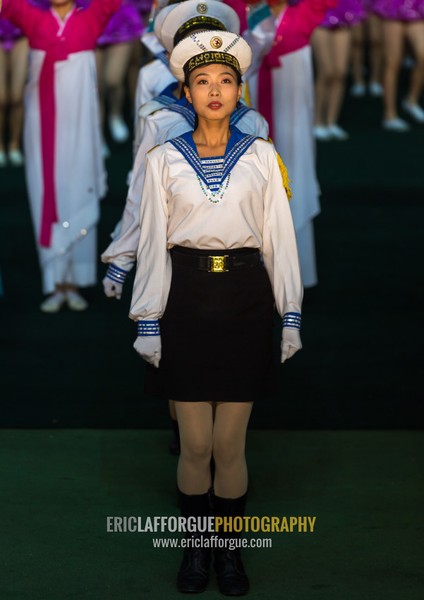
[(202, 8), (216, 42)]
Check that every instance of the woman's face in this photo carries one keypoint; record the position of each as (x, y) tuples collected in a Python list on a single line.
[(213, 90)]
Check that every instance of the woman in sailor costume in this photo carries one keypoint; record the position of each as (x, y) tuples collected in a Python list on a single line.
[(64, 168), (217, 249)]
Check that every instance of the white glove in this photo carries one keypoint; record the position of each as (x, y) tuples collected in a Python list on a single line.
[(149, 347), (290, 343), (112, 289), (114, 281)]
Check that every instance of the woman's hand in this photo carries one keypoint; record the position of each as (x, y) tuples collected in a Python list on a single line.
[(290, 343), (149, 348)]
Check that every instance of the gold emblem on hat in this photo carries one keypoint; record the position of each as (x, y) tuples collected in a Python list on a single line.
[(202, 8), (216, 42)]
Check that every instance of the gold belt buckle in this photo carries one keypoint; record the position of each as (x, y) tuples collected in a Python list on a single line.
[(218, 264)]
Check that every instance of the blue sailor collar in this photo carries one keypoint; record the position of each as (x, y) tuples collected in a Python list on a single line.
[(166, 97), (213, 170), (162, 56)]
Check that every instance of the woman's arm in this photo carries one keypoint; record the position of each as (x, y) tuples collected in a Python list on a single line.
[(153, 274), (279, 242), (22, 14)]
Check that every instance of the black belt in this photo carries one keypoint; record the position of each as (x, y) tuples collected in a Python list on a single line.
[(217, 263)]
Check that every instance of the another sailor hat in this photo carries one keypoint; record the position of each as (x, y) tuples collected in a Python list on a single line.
[(210, 47), (160, 18), (194, 15)]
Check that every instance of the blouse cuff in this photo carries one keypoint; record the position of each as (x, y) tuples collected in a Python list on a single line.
[(292, 320), (148, 328), (116, 273)]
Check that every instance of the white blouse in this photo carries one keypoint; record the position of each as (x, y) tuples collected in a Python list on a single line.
[(175, 210)]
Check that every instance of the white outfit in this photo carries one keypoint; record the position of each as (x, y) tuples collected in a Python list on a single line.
[(152, 79), (158, 128), (72, 254), (293, 98), (253, 212)]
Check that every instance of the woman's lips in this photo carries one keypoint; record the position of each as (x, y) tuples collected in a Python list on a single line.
[(214, 105)]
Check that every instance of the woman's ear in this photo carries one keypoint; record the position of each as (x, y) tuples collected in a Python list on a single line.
[(239, 92), (187, 93)]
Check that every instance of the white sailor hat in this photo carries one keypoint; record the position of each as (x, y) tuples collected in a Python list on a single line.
[(193, 15), (210, 47), (159, 19)]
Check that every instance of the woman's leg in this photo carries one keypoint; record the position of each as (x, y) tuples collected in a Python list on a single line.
[(195, 422), (323, 73), (339, 43), (18, 74), (392, 36), (375, 55), (358, 41), (230, 489), (134, 66), (3, 102), (415, 34), (229, 439), (116, 67), (100, 65)]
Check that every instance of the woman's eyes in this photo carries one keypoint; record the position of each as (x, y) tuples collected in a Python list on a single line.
[(206, 82)]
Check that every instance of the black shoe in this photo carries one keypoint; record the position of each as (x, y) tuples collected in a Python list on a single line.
[(230, 573), (193, 576)]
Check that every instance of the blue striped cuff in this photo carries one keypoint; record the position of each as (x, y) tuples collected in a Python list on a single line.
[(116, 274), (292, 320), (148, 328)]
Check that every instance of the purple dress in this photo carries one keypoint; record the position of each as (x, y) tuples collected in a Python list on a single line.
[(143, 6), (8, 34), (399, 10), (125, 25), (345, 14)]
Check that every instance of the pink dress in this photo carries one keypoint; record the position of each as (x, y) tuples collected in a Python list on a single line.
[(64, 168)]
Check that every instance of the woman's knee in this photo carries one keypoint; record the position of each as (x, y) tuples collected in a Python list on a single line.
[(196, 451), (227, 452)]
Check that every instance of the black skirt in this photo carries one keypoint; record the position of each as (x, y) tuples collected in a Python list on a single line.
[(217, 339)]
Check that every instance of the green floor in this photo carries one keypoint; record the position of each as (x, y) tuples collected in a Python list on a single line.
[(58, 486)]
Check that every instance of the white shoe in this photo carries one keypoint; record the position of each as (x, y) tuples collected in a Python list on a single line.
[(15, 158), (358, 90), (337, 133), (321, 133), (75, 301), (53, 303), (398, 125), (375, 89), (3, 161), (414, 110), (118, 129)]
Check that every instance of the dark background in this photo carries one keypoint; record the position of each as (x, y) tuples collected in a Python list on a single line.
[(361, 366)]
